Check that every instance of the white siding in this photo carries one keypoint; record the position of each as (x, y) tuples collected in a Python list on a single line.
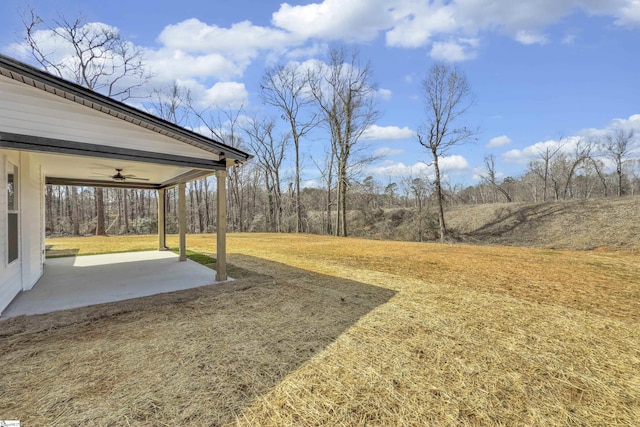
[(10, 283), (30, 220), (31, 111)]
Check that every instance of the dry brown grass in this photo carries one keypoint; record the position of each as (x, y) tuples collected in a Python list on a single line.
[(567, 224), (329, 331)]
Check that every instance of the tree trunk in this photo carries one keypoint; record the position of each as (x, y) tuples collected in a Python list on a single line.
[(545, 179), (207, 215), (125, 197), (443, 227), (100, 228), (75, 217), (119, 204), (199, 203), (329, 219), (619, 171), (192, 209), (299, 224), (49, 201), (342, 229), (338, 204)]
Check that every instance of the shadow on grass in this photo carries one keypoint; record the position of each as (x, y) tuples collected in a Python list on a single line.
[(235, 342), (510, 220), (208, 260)]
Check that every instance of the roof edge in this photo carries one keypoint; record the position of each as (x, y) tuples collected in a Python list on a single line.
[(27, 71)]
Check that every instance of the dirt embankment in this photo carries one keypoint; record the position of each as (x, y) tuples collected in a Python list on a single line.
[(577, 224)]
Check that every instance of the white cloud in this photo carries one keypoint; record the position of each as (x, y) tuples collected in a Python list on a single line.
[(533, 152), (448, 164), (225, 95), (568, 144), (203, 130), (230, 95), (316, 49), (530, 37), (212, 51), (629, 14), (569, 39), (632, 123), (57, 48), (355, 20), (375, 132), (479, 173), (499, 141), (399, 169), (170, 65), (453, 163), (388, 152), (311, 183), (241, 40), (416, 22), (450, 29), (384, 94), (454, 51)]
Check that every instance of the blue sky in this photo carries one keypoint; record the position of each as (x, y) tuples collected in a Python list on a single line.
[(540, 70)]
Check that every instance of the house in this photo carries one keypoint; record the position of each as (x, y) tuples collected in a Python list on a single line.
[(56, 132)]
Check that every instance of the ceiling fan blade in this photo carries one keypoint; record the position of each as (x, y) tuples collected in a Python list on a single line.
[(137, 179)]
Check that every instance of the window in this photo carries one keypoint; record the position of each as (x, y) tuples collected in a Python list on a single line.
[(12, 213)]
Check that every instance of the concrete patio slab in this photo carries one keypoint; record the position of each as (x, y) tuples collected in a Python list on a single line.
[(95, 279)]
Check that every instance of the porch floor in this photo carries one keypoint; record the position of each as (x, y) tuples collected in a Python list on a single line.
[(73, 282)]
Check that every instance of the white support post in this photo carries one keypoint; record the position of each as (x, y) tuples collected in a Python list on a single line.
[(182, 220), (162, 228), (221, 229)]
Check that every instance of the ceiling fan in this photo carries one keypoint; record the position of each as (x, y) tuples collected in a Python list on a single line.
[(119, 177)]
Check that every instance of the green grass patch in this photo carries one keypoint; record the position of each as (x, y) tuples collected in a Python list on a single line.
[(198, 257)]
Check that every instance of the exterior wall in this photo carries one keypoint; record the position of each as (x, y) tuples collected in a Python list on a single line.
[(30, 111), (31, 212), (23, 273)]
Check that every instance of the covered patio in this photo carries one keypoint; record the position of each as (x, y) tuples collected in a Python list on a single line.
[(58, 133), (73, 282)]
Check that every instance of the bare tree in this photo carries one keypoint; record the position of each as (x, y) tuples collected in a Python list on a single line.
[(390, 194), (284, 88), (618, 150), (225, 127), (599, 168), (489, 175), (634, 172), (345, 93), (99, 59), (581, 153), (270, 152), (448, 97), (542, 166), (327, 173), (172, 104), (419, 189)]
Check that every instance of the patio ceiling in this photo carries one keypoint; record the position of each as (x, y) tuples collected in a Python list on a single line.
[(97, 172)]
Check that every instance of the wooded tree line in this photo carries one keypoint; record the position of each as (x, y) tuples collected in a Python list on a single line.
[(576, 168), (412, 201)]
